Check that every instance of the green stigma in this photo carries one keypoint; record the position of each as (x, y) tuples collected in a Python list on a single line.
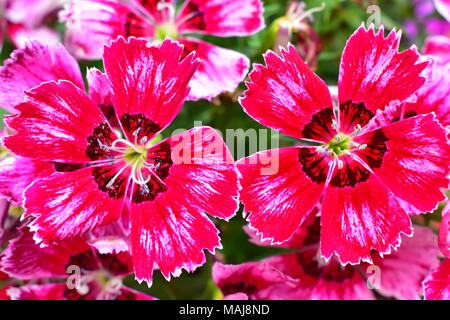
[(339, 144), (164, 31), (136, 157)]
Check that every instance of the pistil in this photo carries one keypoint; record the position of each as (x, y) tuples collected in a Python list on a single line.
[(135, 158), (342, 144)]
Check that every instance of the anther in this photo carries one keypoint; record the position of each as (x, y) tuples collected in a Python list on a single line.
[(362, 147), (161, 6), (145, 189), (340, 164), (323, 149), (357, 130), (149, 165), (110, 184), (136, 132), (143, 140), (113, 179), (103, 146), (334, 124)]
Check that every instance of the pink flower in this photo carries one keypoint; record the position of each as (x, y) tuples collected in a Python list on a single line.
[(438, 46), (17, 173), (397, 275), (444, 231), (437, 285), (161, 189), (433, 96), (369, 173), (91, 23), (30, 66), (249, 281), (28, 19), (4, 207), (424, 12), (88, 274)]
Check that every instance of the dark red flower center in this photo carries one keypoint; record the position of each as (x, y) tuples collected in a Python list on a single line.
[(244, 287), (346, 156), (130, 166), (331, 271)]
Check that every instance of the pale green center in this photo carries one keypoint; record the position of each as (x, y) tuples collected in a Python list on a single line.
[(136, 156), (340, 144), (166, 30)]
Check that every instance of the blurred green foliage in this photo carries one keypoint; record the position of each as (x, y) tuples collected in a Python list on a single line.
[(334, 25)]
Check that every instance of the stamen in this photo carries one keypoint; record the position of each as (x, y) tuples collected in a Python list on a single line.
[(170, 9), (152, 166), (340, 164), (188, 17), (104, 162), (136, 132), (362, 147), (140, 11), (149, 165), (143, 140), (296, 9), (356, 130), (323, 149), (309, 13), (154, 175), (334, 124), (137, 176), (127, 143), (145, 189), (113, 179)]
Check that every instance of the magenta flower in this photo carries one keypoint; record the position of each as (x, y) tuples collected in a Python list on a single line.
[(250, 281), (161, 189), (369, 173), (28, 19), (27, 68), (100, 275), (4, 208), (16, 174), (91, 23), (437, 285), (397, 275)]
